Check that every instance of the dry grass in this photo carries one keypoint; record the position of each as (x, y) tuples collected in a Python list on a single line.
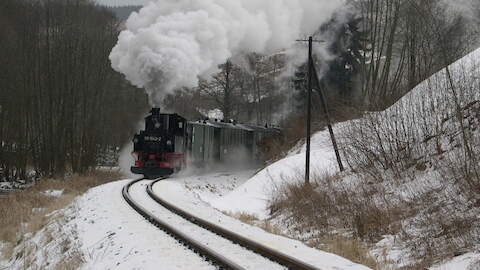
[(245, 217), (253, 220), (326, 208), (73, 259), (27, 212), (271, 228), (349, 248), (55, 248), (323, 206), (442, 220), (430, 154), (242, 216)]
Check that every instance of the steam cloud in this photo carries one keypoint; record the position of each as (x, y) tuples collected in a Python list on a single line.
[(466, 7), (170, 44)]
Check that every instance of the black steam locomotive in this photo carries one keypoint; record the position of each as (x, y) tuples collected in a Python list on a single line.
[(160, 147), (169, 139)]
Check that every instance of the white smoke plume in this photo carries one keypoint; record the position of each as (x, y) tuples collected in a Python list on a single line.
[(170, 44), (126, 159), (469, 8)]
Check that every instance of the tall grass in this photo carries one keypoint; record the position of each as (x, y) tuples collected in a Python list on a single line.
[(28, 211)]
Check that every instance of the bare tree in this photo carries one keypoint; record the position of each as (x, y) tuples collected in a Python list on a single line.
[(57, 85)]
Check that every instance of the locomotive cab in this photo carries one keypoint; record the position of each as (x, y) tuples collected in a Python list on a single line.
[(159, 149)]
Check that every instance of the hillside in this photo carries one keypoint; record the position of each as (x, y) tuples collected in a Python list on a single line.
[(412, 192)]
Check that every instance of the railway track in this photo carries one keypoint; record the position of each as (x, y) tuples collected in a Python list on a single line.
[(273, 258), (210, 255)]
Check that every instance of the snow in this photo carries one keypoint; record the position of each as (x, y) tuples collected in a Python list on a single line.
[(108, 234), (174, 190), (254, 195), (233, 252), (387, 250), (469, 261), (258, 190), (212, 186), (14, 186), (49, 248), (104, 232), (6, 186), (53, 193), (114, 235)]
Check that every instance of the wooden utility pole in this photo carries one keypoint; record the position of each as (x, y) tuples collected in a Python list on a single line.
[(309, 111), (312, 74), (329, 121)]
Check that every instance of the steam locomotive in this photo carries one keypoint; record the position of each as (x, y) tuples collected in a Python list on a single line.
[(169, 140)]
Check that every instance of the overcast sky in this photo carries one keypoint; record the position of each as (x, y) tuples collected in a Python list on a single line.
[(122, 2)]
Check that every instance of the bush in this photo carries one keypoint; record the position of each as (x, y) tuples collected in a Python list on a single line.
[(321, 208)]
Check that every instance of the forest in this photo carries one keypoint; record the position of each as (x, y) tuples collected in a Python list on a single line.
[(62, 106)]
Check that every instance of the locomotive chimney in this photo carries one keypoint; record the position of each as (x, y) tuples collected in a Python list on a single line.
[(155, 111)]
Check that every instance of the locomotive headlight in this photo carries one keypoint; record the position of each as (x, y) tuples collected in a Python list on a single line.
[(157, 125), (169, 142)]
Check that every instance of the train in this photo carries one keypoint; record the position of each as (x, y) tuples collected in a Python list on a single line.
[(170, 142)]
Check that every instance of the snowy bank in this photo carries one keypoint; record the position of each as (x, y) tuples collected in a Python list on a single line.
[(253, 196), (176, 192)]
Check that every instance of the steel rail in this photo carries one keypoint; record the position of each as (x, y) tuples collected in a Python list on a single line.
[(274, 255), (210, 255)]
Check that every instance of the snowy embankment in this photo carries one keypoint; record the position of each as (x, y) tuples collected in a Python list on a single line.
[(253, 196), (235, 253), (257, 191), (426, 112), (112, 235), (179, 192), (101, 231)]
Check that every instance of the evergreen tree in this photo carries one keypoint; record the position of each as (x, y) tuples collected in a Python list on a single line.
[(340, 79), (344, 69), (299, 83)]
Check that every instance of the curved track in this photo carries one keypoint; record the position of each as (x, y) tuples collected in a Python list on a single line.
[(214, 257), (265, 251), (207, 253)]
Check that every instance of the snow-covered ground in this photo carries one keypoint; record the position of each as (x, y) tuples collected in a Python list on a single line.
[(101, 231), (114, 236), (104, 233), (426, 99), (176, 190), (469, 261), (257, 191), (233, 252)]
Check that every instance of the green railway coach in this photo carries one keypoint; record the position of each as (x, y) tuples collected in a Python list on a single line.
[(213, 141)]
